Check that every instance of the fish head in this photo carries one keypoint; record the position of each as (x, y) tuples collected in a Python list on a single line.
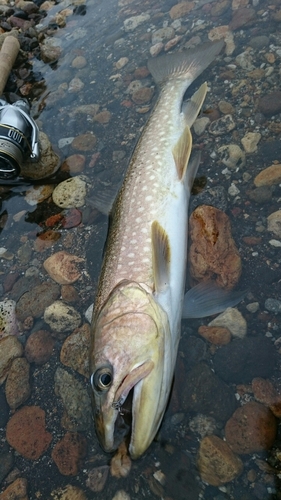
[(130, 386)]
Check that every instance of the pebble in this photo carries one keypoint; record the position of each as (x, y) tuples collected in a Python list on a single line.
[(181, 9), (244, 359), (202, 425), (74, 164), (34, 302), (75, 350), (65, 141), (121, 495), (226, 108), (253, 307), (76, 401), (233, 190), (97, 478), (265, 393), (26, 432), (37, 194), (142, 95), (62, 317), (79, 62), (275, 243), (217, 335), (245, 61), (103, 117), (212, 250), (8, 319), (69, 294), (216, 462), (16, 491), (261, 194), (233, 320), (251, 429), (84, 142), (232, 156), (39, 347), (250, 141), (200, 125), (62, 268), (269, 176), (50, 50), (156, 49), (121, 463), (162, 35), (69, 452), (68, 492), (204, 392), (17, 388), (241, 17), (121, 62), (270, 104), (10, 348), (259, 42), (71, 193), (133, 22), (274, 223), (222, 126), (273, 305)]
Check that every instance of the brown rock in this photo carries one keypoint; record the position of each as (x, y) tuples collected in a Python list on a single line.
[(74, 164), (34, 302), (75, 350), (61, 267), (84, 142), (269, 176), (27, 434), (265, 393), (217, 335), (142, 95), (252, 428), (69, 452), (97, 478), (10, 348), (252, 240), (212, 252), (241, 17), (68, 492), (270, 104), (39, 347), (216, 462), (103, 117), (181, 9), (16, 491), (120, 465), (17, 388), (69, 294)]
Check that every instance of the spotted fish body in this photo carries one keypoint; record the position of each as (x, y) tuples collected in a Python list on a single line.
[(138, 309)]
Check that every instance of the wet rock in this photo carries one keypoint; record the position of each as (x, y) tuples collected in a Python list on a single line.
[(212, 252), (269, 176), (71, 193), (50, 50), (79, 62), (261, 194), (233, 320), (270, 104), (103, 117), (217, 335), (24, 253), (251, 429), (27, 434), (84, 142), (142, 96), (245, 61), (259, 42), (69, 452), (76, 401), (97, 478), (34, 302), (156, 49), (222, 126), (121, 495), (10, 348), (121, 463), (203, 392), (37, 194), (62, 317), (195, 350), (75, 350), (241, 17), (8, 319), (265, 393), (39, 347), (244, 359), (6, 460), (232, 156), (68, 492), (61, 267), (132, 23), (46, 240), (4, 413), (274, 223), (226, 108), (47, 165), (74, 164), (162, 34), (16, 491), (250, 141), (75, 85), (273, 305), (200, 125), (17, 386), (216, 462), (69, 294), (202, 425), (181, 9)]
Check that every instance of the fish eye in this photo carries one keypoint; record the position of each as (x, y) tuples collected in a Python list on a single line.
[(101, 379)]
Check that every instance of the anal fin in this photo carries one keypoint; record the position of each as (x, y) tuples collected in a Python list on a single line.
[(181, 152), (161, 256)]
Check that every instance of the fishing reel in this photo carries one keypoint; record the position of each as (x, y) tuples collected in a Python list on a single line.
[(19, 138)]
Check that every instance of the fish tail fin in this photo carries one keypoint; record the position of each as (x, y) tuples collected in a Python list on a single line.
[(187, 64)]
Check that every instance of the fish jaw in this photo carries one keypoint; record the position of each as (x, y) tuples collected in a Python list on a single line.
[(138, 366)]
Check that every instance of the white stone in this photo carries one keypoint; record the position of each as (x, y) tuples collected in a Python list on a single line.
[(232, 319), (62, 317), (233, 190), (275, 243), (200, 125), (245, 61), (71, 193), (232, 156), (274, 223), (250, 141), (132, 23), (253, 307)]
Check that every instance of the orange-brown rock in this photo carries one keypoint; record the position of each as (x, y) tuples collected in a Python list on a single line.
[(120, 465), (39, 347), (252, 428), (216, 462), (62, 267), (27, 434), (181, 9), (217, 335), (16, 491), (265, 393), (212, 254), (269, 176), (69, 452)]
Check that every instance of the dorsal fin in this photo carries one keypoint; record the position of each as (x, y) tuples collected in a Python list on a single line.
[(161, 256), (181, 152)]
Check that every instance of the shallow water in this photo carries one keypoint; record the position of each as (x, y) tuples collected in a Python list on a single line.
[(100, 38)]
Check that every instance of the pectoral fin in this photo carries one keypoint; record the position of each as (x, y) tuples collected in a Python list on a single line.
[(161, 256), (206, 299), (181, 152), (192, 107)]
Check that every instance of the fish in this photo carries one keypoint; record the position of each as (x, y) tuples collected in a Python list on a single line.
[(139, 304)]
